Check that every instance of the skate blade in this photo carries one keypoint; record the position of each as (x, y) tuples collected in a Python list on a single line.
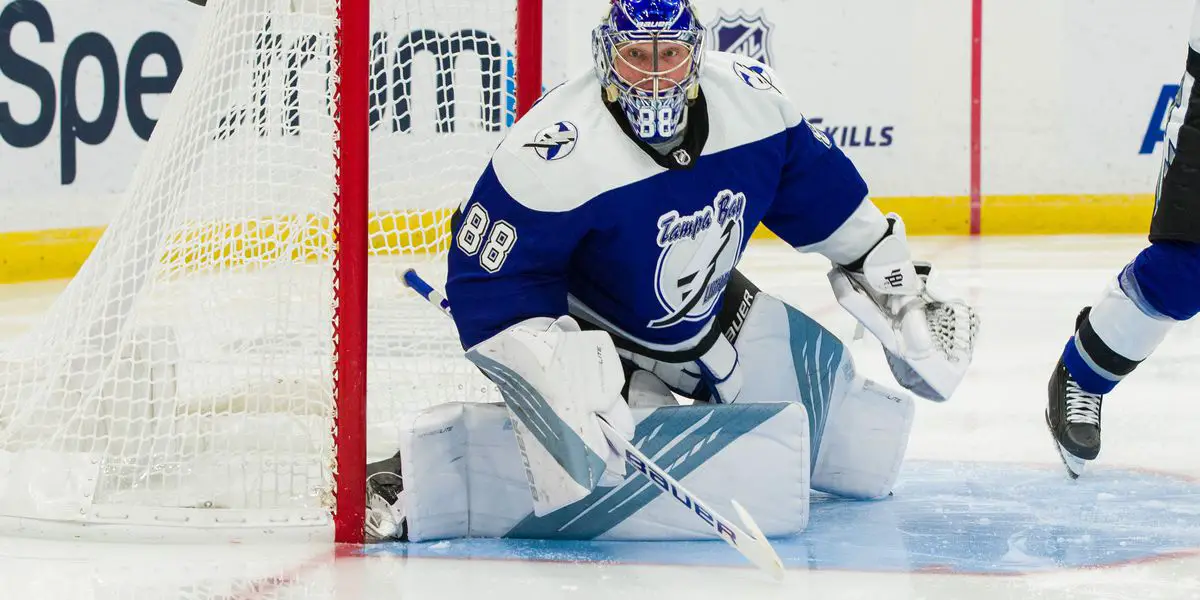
[(1075, 465)]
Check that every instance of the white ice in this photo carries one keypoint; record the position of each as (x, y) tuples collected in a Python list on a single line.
[(1027, 290)]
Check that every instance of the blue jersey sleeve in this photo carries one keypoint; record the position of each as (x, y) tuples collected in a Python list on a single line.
[(507, 262), (818, 191)]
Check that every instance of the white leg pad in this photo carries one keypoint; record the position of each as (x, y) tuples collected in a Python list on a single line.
[(434, 469), (864, 442), (861, 426), (463, 475)]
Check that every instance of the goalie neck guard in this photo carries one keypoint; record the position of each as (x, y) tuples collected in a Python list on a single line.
[(648, 55)]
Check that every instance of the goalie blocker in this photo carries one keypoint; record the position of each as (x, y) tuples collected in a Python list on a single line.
[(803, 420)]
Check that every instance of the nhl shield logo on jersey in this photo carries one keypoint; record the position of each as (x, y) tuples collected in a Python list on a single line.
[(682, 157), (556, 141), (698, 254), (748, 35)]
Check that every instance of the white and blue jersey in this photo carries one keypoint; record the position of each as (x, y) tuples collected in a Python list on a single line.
[(574, 215)]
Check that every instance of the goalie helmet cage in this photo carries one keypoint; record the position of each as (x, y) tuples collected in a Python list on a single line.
[(218, 365)]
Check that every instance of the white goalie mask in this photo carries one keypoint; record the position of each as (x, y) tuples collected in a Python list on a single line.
[(648, 55)]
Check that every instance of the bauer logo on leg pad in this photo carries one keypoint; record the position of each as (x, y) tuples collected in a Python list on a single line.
[(652, 472)]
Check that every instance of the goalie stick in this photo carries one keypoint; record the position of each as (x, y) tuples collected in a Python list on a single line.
[(753, 545)]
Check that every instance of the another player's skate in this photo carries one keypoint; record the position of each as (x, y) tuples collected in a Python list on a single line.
[(1073, 416), (385, 501)]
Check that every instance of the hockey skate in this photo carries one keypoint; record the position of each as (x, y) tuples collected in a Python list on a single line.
[(1073, 416), (385, 519)]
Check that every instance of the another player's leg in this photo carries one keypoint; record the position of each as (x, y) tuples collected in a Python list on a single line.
[(1158, 289)]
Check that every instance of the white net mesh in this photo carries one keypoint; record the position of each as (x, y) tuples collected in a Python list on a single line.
[(189, 362)]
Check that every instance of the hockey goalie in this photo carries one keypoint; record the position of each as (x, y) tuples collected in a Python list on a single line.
[(593, 277)]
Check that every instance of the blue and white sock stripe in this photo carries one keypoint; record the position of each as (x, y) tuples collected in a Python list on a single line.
[(1092, 362), (1086, 373), (1129, 285), (1120, 331), (1096, 379), (583, 465), (1107, 363)]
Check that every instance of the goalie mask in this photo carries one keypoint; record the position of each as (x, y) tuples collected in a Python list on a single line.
[(648, 55)]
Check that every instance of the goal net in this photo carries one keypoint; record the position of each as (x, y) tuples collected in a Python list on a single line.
[(197, 377)]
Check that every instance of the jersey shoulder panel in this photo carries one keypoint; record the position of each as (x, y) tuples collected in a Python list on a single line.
[(747, 98), (568, 150)]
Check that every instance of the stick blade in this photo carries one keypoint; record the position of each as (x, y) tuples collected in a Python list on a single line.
[(761, 552)]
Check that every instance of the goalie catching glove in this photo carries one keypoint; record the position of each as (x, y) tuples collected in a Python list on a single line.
[(927, 333)]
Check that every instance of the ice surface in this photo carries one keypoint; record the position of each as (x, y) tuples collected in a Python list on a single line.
[(983, 508)]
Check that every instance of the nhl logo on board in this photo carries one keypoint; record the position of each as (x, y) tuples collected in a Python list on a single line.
[(556, 141), (740, 33), (682, 158)]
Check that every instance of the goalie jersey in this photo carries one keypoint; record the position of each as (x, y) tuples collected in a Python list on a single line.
[(575, 215)]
